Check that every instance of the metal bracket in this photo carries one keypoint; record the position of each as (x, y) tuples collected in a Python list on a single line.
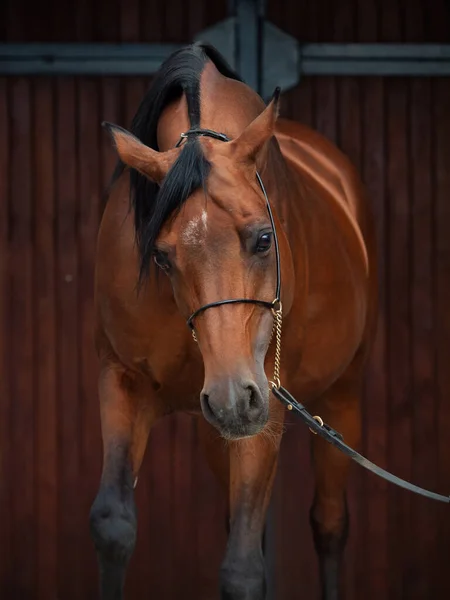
[(280, 60), (263, 55)]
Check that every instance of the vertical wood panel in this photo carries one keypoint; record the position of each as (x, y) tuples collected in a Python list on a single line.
[(195, 18), (22, 355), (398, 271), (325, 107), (64, 22), (160, 570), (424, 574), (209, 515), (184, 530), (441, 129), (84, 17), (174, 30), (106, 20), (3, 20), (436, 21), (6, 572), (129, 20), (111, 111), (367, 21), (69, 414), (46, 400), (215, 12), (374, 500), (152, 20), (89, 210), (15, 26), (349, 140), (344, 21), (399, 329)]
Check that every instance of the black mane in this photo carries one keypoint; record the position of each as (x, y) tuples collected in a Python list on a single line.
[(152, 204)]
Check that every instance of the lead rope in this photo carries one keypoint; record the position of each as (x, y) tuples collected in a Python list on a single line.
[(316, 424)]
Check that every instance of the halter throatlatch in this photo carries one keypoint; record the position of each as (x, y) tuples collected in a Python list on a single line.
[(315, 423)]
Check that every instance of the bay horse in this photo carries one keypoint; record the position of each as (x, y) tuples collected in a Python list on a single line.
[(186, 227)]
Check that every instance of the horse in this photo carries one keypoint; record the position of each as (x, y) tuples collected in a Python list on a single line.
[(216, 206)]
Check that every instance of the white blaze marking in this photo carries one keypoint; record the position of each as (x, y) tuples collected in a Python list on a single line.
[(195, 230)]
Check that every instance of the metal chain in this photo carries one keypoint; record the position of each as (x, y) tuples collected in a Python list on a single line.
[(278, 316)]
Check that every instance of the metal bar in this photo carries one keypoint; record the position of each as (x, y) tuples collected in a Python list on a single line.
[(248, 43), (83, 59), (375, 59), (377, 51), (145, 59)]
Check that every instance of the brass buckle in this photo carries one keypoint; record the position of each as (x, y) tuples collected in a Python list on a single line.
[(275, 383), (319, 420)]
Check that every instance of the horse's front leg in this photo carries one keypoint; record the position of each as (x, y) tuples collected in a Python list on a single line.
[(127, 414), (253, 464)]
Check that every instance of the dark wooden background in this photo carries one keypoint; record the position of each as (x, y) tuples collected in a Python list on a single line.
[(54, 163)]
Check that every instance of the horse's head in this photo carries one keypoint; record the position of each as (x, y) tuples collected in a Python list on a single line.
[(220, 246)]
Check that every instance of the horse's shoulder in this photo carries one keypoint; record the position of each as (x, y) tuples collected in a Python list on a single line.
[(318, 159), (328, 171)]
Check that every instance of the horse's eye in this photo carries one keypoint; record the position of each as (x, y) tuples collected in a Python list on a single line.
[(162, 260), (264, 242)]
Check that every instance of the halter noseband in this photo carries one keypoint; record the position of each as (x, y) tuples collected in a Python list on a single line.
[(274, 305)]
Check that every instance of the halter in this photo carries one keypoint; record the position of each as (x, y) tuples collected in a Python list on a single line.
[(275, 305)]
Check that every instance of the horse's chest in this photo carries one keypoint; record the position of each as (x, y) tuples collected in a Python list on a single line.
[(178, 373), (166, 356)]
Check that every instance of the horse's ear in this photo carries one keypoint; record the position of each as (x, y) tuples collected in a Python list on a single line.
[(137, 155), (250, 145)]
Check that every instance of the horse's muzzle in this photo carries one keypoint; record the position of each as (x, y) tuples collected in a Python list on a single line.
[(236, 407)]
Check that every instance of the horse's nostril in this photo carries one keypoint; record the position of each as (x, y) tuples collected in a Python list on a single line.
[(210, 413), (206, 406), (253, 399)]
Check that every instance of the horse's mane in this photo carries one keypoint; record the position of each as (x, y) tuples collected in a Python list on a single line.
[(152, 204)]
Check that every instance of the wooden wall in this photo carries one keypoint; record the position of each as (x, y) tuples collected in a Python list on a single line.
[(54, 163)]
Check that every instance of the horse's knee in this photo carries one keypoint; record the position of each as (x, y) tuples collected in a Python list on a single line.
[(113, 527), (330, 525), (243, 580)]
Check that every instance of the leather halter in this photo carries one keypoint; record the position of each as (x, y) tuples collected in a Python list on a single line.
[(274, 304)]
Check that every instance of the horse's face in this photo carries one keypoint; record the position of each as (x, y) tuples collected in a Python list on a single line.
[(220, 246)]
